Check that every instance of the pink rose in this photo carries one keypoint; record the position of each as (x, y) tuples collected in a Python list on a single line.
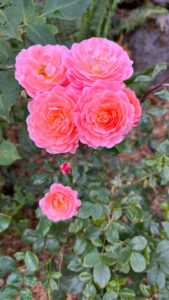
[(60, 203), (103, 114), (51, 121), (135, 102), (40, 68), (65, 168), (96, 58)]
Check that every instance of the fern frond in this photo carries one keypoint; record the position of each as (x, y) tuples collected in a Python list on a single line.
[(139, 17)]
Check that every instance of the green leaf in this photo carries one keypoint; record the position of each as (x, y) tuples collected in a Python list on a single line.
[(19, 255), (72, 285), (163, 94), (4, 222), (76, 226), (85, 277), (163, 247), (164, 148), (30, 236), (109, 258), (157, 110), (7, 265), (80, 246), (85, 210), (30, 279), (97, 212), (10, 19), (165, 172), (27, 9), (69, 9), (90, 259), (44, 226), (8, 153), (25, 141), (166, 227), (162, 66), (75, 264), (97, 242), (38, 245), (112, 234), (142, 78), (53, 285), (150, 161), (14, 279), (31, 261), (25, 294), (145, 124), (39, 178), (101, 274), (100, 195), (52, 244), (135, 214), (124, 255), (40, 34), (145, 289), (9, 92), (155, 275), (55, 275), (89, 291), (137, 262), (5, 50), (138, 243), (8, 292), (127, 294), (110, 296)]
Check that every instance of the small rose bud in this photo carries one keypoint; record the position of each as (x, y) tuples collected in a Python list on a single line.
[(65, 168)]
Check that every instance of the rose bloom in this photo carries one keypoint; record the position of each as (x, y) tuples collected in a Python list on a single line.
[(96, 58), (135, 102), (51, 121), (104, 114), (65, 168), (40, 68), (60, 203)]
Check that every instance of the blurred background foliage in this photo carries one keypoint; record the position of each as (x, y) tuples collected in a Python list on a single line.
[(118, 245)]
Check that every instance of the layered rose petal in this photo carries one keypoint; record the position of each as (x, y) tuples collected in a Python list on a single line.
[(104, 114), (96, 58), (51, 121), (40, 68), (60, 203), (135, 102)]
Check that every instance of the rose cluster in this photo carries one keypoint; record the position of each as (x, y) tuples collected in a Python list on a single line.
[(78, 94)]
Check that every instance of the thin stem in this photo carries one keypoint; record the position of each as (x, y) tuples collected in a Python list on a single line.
[(154, 89)]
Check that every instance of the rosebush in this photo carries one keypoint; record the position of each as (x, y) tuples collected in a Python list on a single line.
[(102, 228)]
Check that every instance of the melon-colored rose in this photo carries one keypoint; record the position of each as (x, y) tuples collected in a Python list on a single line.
[(51, 121), (104, 114), (60, 203), (136, 103), (96, 58), (40, 68)]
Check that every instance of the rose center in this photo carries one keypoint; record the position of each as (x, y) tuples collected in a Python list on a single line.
[(42, 71), (103, 117)]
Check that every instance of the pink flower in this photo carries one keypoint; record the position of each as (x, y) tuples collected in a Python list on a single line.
[(40, 68), (135, 102), (103, 114), (51, 121), (96, 58), (65, 168), (60, 203)]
